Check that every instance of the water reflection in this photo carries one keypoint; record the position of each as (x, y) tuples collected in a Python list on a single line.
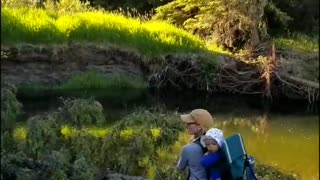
[(290, 143)]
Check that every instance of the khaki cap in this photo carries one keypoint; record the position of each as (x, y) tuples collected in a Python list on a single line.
[(199, 116)]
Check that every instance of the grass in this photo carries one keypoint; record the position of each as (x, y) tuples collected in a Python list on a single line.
[(96, 80), (37, 26), (86, 84), (299, 42)]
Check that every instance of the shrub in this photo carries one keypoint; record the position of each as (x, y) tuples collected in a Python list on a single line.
[(81, 112), (11, 108), (135, 143)]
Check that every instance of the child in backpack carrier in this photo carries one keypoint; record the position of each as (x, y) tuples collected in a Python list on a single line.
[(213, 158)]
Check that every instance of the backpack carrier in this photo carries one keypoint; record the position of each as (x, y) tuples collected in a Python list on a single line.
[(241, 166)]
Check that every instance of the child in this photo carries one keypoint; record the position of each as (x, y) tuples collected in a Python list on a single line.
[(213, 157)]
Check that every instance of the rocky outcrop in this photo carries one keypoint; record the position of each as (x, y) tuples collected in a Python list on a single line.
[(52, 65)]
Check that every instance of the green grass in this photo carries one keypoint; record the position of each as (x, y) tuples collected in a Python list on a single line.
[(96, 80), (36, 26), (299, 42), (87, 84)]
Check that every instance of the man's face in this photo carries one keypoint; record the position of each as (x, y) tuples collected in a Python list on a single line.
[(212, 145), (193, 128)]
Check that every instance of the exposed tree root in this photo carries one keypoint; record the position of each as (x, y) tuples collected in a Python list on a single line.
[(265, 76)]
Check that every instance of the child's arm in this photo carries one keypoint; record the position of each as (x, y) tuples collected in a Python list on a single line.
[(210, 160)]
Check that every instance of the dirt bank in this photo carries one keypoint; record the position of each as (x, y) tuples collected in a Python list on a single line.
[(52, 65), (284, 74)]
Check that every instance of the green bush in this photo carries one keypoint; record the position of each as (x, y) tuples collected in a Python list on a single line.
[(43, 136), (134, 145), (136, 142), (11, 108), (81, 112)]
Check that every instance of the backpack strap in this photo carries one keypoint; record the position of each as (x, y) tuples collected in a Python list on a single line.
[(197, 141), (204, 150), (247, 164)]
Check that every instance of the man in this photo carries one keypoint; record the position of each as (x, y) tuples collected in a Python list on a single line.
[(197, 123)]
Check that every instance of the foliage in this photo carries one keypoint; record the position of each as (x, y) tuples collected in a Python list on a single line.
[(81, 112), (81, 169), (303, 16), (66, 6), (131, 146), (18, 3), (62, 6), (299, 42), (136, 6), (14, 166), (43, 135), (11, 108), (21, 25), (232, 24)]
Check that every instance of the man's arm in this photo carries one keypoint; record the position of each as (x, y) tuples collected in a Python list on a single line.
[(183, 160)]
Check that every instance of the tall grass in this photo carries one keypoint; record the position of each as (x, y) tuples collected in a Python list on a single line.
[(37, 26), (96, 80), (87, 84), (298, 42)]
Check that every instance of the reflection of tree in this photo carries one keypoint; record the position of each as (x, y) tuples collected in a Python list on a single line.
[(258, 125), (262, 123)]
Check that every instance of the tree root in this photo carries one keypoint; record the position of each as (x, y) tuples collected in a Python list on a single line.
[(264, 76)]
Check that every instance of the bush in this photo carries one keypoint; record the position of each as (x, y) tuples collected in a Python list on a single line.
[(137, 141), (11, 108), (135, 145), (81, 112), (43, 136)]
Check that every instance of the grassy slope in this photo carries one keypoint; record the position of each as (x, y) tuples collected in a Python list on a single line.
[(22, 25), (152, 38)]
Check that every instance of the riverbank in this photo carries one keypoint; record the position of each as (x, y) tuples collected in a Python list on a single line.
[(67, 69), (94, 49)]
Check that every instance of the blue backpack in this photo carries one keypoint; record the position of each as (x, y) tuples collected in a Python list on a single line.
[(240, 165)]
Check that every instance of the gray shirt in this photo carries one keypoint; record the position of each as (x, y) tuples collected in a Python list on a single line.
[(191, 156)]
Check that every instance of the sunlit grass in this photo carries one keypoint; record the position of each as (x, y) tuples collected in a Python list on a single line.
[(213, 47), (298, 42), (22, 25)]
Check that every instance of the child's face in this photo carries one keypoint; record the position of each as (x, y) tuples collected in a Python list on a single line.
[(212, 145)]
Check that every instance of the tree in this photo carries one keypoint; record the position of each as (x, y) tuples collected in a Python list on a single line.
[(233, 24)]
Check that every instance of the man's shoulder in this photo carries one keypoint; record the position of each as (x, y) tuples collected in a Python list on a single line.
[(192, 146)]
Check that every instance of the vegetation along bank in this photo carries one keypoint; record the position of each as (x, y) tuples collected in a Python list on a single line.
[(96, 49)]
